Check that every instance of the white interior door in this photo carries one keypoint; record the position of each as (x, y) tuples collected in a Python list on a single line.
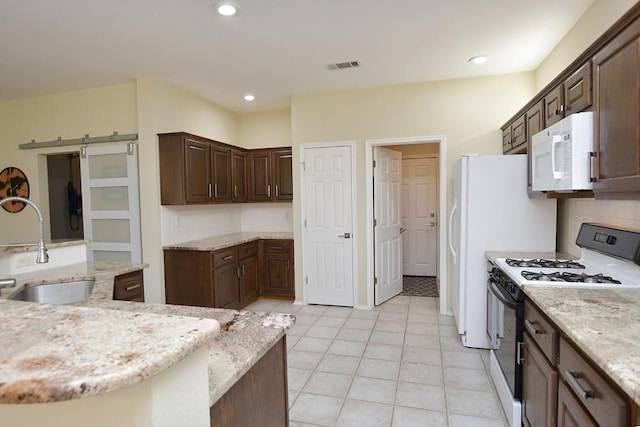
[(419, 216), (328, 221), (387, 180), (110, 203)]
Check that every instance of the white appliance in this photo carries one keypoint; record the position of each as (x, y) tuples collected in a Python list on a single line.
[(491, 211), (610, 258), (561, 155)]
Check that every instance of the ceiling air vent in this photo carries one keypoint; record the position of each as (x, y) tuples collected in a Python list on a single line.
[(344, 65)]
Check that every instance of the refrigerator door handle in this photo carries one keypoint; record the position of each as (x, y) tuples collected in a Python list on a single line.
[(454, 209)]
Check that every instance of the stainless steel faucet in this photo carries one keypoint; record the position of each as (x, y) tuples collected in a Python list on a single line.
[(42, 249)]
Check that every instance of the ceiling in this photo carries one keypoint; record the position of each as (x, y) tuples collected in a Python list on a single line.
[(271, 48)]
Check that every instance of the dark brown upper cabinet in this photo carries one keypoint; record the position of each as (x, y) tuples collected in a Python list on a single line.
[(617, 116), (197, 170), (571, 96), (514, 136), (271, 177)]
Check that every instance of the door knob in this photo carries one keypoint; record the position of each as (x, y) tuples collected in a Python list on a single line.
[(345, 235), (402, 230), (432, 224)]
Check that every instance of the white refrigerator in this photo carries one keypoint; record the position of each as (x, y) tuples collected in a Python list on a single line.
[(491, 212)]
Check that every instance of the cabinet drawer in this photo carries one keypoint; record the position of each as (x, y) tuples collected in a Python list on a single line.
[(600, 399), (248, 250), (277, 246), (129, 287), (542, 331), (225, 257)]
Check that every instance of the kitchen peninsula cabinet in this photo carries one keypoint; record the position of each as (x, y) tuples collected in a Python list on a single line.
[(193, 170), (617, 116), (271, 177), (129, 287), (278, 268)]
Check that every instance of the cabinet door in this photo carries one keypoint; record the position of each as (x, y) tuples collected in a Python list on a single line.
[(187, 278), (570, 413), (616, 70), (129, 287), (239, 176), (519, 134), (577, 90), (249, 273), (197, 171), (535, 124), (506, 139), (554, 105), (283, 174), (539, 389), (220, 174), (225, 286), (277, 268), (260, 176)]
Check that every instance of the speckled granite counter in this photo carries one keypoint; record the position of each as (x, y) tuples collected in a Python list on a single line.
[(26, 247), (227, 240), (604, 323), (54, 353), (102, 272), (244, 338)]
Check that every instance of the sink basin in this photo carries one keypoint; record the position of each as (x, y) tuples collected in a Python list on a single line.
[(56, 293)]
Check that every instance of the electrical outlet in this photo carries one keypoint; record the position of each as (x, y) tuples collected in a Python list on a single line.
[(25, 260)]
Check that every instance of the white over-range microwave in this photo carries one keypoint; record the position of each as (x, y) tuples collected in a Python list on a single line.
[(561, 155)]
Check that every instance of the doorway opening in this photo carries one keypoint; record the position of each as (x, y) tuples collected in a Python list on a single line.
[(65, 196), (423, 238)]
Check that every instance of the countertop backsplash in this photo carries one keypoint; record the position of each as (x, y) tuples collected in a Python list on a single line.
[(19, 259)]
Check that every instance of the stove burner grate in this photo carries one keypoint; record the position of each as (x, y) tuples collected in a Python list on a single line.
[(569, 277), (543, 263)]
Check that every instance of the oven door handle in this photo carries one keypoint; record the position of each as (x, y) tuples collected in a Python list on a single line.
[(495, 290)]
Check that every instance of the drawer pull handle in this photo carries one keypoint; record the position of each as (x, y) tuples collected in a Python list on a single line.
[(572, 379), (227, 258), (277, 248), (132, 287), (532, 328)]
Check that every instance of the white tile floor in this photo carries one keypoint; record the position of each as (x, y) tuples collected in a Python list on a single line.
[(401, 364)]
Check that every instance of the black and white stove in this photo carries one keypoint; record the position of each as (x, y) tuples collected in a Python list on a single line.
[(610, 259)]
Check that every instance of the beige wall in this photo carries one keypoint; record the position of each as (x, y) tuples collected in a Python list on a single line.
[(595, 21), (70, 115), (572, 212), (265, 129), (165, 108), (468, 112)]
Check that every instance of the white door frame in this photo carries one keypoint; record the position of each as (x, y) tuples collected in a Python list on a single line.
[(354, 247), (442, 210)]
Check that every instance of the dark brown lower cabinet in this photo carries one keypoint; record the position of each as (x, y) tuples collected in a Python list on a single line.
[(278, 268), (539, 389), (232, 277), (259, 398), (570, 413), (129, 287)]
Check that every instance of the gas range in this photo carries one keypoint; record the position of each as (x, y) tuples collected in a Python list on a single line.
[(610, 258)]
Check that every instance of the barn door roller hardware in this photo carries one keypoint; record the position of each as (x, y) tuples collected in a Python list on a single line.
[(115, 137)]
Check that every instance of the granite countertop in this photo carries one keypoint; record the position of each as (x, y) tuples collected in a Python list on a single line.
[(604, 323), (55, 353), (244, 338), (227, 240), (102, 272), (7, 249)]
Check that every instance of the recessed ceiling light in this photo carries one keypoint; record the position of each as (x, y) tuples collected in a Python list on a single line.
[(225, 9), (249, 97), (481, 59)]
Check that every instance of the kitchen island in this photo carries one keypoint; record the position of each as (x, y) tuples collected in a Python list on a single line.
[(247, 358)]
